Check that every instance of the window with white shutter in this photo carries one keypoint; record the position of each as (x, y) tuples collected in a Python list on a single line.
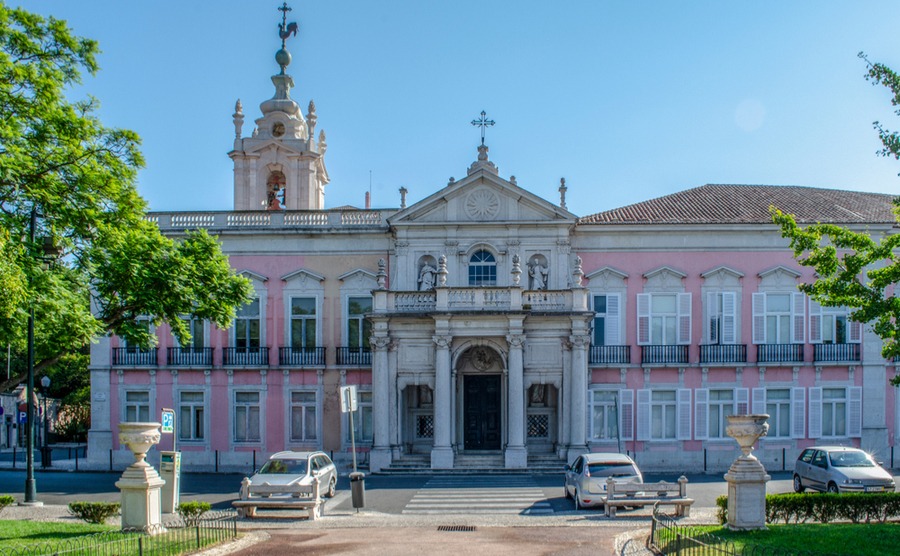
[(742, 401), (643, 411), (798, 318), (759, 401), (684, 414), (626, 414), (815, 413), (664, 318), (798, 413), (854, 412), (701, 414), (721, 309)]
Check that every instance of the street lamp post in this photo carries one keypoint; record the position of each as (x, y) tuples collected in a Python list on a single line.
[(45, 455)]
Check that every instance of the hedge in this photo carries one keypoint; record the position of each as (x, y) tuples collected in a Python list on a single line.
[(824, 508)]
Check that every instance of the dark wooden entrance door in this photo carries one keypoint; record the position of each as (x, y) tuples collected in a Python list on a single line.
[(481, 412)]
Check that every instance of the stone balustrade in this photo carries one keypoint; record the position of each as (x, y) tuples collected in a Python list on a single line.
[(323, 219), (480, 299)]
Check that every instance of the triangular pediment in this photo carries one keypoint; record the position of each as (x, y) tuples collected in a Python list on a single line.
[(288, 147), (481, 198)]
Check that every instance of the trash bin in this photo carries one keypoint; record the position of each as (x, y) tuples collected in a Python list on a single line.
[(46, 456), (358, 489)]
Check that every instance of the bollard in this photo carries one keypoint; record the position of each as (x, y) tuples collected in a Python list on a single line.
[(358, 490), (217, 461)]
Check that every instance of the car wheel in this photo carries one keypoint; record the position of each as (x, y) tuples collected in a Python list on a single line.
[(578, 505), (332, 487), (832, 488), (798, 484), (566, 492)]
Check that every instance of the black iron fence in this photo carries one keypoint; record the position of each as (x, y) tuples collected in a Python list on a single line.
[(254, 356), (190, 356), (172, 538), (301, 357), (661, 354), (836, 352), (667, 536), (357, 357), (779, 353), (130, 356), (610, 355), (724, 353)]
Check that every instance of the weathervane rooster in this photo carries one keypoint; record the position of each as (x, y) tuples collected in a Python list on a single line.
[(286, 29)]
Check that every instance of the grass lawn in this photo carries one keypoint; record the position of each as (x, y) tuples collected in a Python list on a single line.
[(18, 533), (873, 539)]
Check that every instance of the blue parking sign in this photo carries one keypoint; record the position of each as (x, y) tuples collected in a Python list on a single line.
[(168, 421), (23, 417)]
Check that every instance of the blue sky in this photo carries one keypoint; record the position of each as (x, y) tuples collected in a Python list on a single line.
[(627, 100)]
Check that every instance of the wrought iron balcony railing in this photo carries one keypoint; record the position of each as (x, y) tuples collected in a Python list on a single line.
[(301, 357), (663, 355), (354, 356), (609, 355), (723, 353), (836, 352), (254, 356), (779, 353), (134, 357), (189, 357)]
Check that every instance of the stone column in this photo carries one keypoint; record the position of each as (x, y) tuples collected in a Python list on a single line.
[(578, 398), (516, 453), (381, 410), (442, 453)]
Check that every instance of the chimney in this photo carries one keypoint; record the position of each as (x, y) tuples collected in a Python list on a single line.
[(368, 200)]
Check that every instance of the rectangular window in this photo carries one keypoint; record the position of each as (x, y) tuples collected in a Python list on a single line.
[(778, 406), (246, 417), (247, 326), (303, 416), (137, 406), (190, 416), (663, 415), (779, 318), (664, 319), (196, 328), (599, 320), (303, 323), (721, 405), (834, 412), (607, 309), (605, 418), (721, 311), (362, 418), (359, 328)]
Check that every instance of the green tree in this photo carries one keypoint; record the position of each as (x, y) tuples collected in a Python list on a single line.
[(855, 270), (60, 163)]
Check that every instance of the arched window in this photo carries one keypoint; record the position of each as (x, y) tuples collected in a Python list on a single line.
[(482, 269), (275, 191)]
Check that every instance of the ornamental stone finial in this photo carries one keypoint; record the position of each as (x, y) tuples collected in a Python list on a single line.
[(562, 192), (403, 192), (577, 272), (516, 269), (238, 118), (442, 271), (311, 119), (381, 277)]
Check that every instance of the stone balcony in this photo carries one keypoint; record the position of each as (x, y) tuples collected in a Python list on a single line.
[(481, 299), (270, 219)]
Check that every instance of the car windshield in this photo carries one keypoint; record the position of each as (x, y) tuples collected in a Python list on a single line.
[(611, 469), (284, 467), (851, 459)]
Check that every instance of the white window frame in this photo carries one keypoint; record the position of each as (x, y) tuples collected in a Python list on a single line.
[(852, 401), (137, 406), (682, 316), (682, 415), (260, 404), (819, 316), (703, 414), (476, 282), (193, 323), (360, 317), (303, 407), (761, 312), (623, 405), (721, 318), (363, 413), (782, 408), (612, 321), (291, 318), (192, 406)]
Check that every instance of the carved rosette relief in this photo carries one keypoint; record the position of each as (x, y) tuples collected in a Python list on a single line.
[(482, 358), (482, 205)]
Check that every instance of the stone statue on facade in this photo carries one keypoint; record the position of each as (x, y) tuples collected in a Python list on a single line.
[(426, 277), (539, 274)]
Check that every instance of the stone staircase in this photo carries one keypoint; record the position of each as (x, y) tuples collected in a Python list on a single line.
[(474, 464)]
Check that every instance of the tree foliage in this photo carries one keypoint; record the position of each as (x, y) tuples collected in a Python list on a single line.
[(59, 162), (854, 269)]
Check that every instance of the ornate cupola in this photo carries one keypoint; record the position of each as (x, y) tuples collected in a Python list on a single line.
[(280, 166)]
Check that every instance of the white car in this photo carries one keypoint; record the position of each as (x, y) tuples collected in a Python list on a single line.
[(586, 477), (840, 469), (287, 468)]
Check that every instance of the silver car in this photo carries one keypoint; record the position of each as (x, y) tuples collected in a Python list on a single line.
[(586, 477), (287, 468), (840, 469)]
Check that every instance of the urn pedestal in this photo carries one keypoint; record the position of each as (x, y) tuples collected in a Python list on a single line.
[(747, 477), (140, 483)]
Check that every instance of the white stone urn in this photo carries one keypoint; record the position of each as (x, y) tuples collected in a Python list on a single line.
[(140, 483), (747, 476), (746, 430), (139, 437)]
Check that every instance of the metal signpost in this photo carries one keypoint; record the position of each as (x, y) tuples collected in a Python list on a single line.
[(170, 465), (357, 479)]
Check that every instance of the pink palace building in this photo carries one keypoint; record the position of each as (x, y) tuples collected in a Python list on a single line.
[(487, 327)]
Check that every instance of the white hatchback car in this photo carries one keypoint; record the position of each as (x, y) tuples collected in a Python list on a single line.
[(586, 477), (287, 468), (840, 469)]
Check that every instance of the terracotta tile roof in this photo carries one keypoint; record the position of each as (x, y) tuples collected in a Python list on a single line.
[(749, 204)]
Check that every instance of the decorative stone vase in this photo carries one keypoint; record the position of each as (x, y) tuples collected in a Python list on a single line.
[(140, 483), (747, 477), (746, 430), (139, 437)]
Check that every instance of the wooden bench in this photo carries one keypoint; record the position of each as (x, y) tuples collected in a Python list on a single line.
[(265, 495), (644, 494)]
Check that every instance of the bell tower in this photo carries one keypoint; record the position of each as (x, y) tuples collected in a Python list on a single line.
[(280, 166)]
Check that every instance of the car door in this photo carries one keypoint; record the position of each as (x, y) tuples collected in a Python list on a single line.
[(819, 470), (803, 466), (572, 475)]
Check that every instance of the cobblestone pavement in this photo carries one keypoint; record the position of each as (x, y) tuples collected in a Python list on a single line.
[(366, 532)]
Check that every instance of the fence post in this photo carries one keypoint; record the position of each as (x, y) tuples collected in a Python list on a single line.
[(197, 528), (217, 461), (141, 546), (14, 456), (783, 456), (110, 459), (254, 462)]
